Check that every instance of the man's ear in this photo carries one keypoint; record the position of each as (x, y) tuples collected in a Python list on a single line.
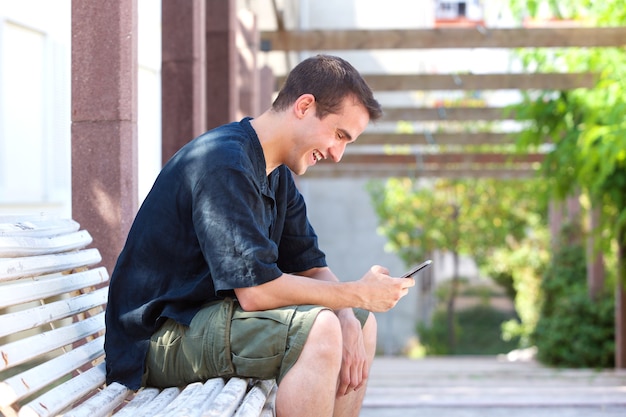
[(305, 103)]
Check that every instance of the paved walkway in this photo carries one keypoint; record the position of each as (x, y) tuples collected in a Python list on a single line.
[(490, 387)]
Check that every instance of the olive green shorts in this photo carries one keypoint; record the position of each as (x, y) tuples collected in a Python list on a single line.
[(223, 341)]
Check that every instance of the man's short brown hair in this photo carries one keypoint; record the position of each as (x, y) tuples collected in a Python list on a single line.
[(329, 79)]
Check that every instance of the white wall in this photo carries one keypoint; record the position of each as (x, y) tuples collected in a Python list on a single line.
[(34, 106), (35, 94)]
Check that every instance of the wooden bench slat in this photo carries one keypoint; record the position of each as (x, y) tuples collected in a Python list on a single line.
[(161, 401), (16, 246), (269, 409), (11, 268), (189, 392), (196, 402), (36, 226), (12, 323), (202, 401), (62, 396), (29, 348), (42, 260), (227, 401), (255, 400), (23, 291), (140, 400), (101, 404), (28, 382)]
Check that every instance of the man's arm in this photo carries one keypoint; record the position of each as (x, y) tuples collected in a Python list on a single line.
[(375, 291)]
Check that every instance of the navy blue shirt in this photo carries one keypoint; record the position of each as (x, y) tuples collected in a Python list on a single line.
[(213, 221)]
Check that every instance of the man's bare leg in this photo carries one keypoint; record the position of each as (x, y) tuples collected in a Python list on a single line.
[(309, 388), (350, 405)]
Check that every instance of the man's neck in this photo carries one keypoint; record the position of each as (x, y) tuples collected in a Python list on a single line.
[(268, 128)]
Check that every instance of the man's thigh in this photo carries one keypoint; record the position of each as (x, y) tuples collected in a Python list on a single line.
[(223, 340), (266, 344)]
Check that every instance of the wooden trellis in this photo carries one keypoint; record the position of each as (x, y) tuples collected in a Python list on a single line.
[(435, 160)]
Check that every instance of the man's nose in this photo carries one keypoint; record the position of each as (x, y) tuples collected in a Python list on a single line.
[(336, 152)]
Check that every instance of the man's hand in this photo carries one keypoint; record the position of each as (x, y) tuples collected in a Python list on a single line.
[(381, 292), (354, 372)]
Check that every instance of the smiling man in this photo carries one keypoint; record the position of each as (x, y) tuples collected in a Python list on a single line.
[(221, 274)]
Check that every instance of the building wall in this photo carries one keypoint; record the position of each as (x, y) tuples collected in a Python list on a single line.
[(34, 105), (35, 92), (343, 217)]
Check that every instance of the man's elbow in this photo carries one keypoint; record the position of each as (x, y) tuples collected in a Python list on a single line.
[(248, 300)]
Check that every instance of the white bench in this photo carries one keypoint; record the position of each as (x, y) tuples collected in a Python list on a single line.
[(52, 300)]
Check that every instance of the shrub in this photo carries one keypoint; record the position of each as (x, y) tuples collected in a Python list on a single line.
[(573, 330), (579, 334), (477, 329)]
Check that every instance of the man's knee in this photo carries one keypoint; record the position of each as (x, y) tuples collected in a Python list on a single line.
[(326, 329), (325, 337)]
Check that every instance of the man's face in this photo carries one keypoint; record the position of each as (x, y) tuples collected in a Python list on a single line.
[(326, 138)]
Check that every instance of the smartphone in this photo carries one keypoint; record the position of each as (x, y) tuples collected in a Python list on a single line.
[(418, 268)]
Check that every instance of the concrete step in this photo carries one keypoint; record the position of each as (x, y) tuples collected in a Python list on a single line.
[(490, 386)]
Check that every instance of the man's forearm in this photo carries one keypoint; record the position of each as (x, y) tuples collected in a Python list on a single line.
[(324, 290)]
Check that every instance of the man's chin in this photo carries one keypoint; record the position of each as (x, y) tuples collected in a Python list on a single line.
[(300, 169)]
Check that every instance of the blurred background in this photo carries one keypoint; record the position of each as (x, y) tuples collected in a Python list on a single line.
[(500, 156)]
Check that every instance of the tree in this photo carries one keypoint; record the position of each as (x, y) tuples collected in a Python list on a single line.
[(586, 127), (470, 217)]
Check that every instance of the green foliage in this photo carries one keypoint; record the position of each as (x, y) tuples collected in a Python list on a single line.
[(524, 262), (477, 329), (586, 127), (470, 216), (499, 223), (573, 330), (434, 338)]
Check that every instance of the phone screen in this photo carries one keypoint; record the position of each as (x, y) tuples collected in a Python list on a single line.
[(418, 268)]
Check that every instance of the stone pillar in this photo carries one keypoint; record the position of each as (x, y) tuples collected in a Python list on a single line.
[(104, 121), (222, 67), (183, 82)]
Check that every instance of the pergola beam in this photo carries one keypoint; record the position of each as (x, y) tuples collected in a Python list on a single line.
[(427, 138), (442, 113), (465, 158), (478, 37), (386, 171), (431, 82)]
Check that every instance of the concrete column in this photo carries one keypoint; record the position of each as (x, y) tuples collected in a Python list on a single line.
[(222, 66), (183, 73), (104, 121)]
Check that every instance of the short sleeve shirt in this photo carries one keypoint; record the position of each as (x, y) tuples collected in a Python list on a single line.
[(213, 221)]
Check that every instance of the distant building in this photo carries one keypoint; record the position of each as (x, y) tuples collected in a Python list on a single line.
[(458, 13)]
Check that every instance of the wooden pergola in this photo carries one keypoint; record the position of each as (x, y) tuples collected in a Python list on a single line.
[(433, 162), (448, 152)]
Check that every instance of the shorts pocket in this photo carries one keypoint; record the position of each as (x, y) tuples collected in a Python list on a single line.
[(263, 368), (259, 341)]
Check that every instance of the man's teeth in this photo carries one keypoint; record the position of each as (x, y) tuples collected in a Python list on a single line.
[(317, 155)]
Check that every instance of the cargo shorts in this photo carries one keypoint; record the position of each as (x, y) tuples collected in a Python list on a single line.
[(223, 340)]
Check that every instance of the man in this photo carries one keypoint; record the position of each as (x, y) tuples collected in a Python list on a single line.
[(221, 274)]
